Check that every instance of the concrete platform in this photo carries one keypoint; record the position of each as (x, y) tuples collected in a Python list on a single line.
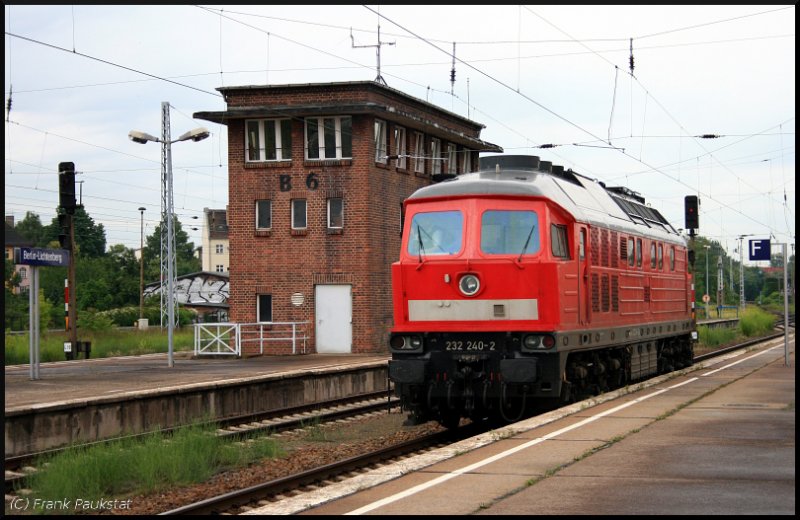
[(85, 400), (719, 438)]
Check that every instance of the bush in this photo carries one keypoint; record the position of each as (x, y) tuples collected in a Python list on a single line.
[(755, 321), (94, 321)]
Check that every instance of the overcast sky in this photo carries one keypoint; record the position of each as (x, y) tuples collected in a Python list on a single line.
[(79, 78)]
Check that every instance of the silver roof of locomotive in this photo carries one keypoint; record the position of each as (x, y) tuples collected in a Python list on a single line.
[(585, 199)]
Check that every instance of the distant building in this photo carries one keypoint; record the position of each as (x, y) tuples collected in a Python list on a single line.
[(13, 239), (317, 176), (214, 254)]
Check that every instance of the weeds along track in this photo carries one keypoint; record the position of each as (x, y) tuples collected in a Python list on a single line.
[(18, 468)]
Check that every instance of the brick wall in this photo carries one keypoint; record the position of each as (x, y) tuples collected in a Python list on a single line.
[(282, 262)]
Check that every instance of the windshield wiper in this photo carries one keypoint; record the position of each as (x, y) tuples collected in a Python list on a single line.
[(527, 241), (421, 247)]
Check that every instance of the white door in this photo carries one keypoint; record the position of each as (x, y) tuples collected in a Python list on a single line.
[(334, 315)]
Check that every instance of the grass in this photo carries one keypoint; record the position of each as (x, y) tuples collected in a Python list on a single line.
[(752, 322), (136, 466), (104, 343)]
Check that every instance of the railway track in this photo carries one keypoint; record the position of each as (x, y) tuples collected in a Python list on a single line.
[(258, 495)]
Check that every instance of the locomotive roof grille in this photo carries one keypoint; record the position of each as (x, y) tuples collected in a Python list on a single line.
[(643, 214), (584, 198)]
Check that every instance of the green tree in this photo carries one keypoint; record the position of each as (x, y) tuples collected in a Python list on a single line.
[(15, 305), (90, 238), (31, 228), (185, 260)]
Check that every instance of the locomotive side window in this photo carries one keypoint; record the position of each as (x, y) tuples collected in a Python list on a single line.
[(558, 241), (652, 255), (631, 252), (672, 258), (436, 233), (582, 245), (660, 257), (638, 252), (506, 232)]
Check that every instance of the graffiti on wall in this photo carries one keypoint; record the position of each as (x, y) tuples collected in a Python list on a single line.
[(196, 289)]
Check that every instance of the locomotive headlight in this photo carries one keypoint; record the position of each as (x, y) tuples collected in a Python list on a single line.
[(538, 342), (469, 284), (532, 342), (406, 343)]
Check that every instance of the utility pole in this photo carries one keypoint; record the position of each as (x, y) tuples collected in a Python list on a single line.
[(66, 191), (141, 268)]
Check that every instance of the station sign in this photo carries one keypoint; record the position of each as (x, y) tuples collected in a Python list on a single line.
[(759, 249), (39, 256)]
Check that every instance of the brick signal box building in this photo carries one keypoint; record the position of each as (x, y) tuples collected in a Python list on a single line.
[(317, 177)]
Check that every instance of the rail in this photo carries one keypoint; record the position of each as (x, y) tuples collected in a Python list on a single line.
[(229, 338)]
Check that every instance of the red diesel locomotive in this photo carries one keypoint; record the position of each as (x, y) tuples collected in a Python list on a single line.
[(525, 285)]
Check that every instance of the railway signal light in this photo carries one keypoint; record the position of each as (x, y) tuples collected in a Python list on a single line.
[(691, 217), (66, 187)]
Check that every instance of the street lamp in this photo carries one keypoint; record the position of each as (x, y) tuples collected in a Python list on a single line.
[(198, 134), (141, 268)]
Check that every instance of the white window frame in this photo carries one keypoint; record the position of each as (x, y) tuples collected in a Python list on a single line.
[(305, 215), (452, 158), (400, 147), (436, 152), (341, 213), (219, 249), (281, 153), (338, 136), (419, 152), (381, 145), (270, 213), (220, 268)]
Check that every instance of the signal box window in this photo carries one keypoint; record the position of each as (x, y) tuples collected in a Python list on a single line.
[(400, 147), (509, 232), (467, 161), (419, 152), (264, 214), (329, 137), (264, 308), (299, 217), (436, 151), (268, 140), (381, 155), (335, 213), (452, 159), (558, 241), (436, 233)]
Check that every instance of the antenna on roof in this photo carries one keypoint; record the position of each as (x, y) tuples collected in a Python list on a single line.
[(378, 78)]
